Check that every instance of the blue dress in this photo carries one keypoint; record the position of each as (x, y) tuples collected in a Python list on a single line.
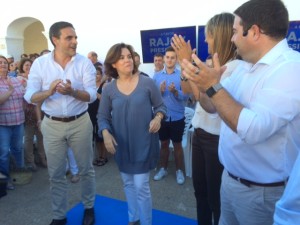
[(127, 117)]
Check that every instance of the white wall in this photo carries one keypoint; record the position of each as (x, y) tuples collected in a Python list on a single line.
[(101, 23)]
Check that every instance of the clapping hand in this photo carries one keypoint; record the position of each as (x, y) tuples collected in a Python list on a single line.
[(172, 89), (64, 88), (53, 86), (201, 74), (163, 86), (182, 48)]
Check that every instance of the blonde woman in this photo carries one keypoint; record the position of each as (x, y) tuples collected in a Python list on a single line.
[(206, 167)]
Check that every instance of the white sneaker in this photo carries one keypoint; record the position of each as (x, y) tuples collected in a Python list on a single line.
[(161, 174), (180, 177)]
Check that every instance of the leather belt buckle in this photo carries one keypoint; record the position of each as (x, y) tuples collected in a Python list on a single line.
[(248, 183), (65, 119)]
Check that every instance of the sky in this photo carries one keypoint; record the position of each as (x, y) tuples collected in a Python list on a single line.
[(100, 24)]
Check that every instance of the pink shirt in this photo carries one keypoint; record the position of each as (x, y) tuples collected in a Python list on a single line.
[(11, 111)]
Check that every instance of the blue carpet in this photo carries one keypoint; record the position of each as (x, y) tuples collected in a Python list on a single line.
[(114, 212)]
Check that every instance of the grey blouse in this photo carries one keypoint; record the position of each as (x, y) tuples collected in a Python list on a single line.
[(127, 117)]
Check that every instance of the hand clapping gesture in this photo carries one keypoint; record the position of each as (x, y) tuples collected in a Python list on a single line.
[(173, 89), (163, 87), (201, 74), (65, 88), (182, 48)]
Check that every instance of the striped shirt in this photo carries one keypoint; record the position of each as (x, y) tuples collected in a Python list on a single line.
[(11, 111)]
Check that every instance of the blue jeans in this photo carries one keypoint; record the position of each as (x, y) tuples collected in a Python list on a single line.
[(11, 142)]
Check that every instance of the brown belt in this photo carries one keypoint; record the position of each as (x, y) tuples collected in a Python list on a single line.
[(248, 183), (65, 119)]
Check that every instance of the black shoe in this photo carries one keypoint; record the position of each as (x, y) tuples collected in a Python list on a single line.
[(59, 222), (88, 217)]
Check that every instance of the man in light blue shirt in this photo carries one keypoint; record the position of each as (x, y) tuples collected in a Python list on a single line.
[(168, 81)]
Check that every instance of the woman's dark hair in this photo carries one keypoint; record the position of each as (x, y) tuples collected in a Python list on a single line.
[(99, 69), (24, 55), (271, 16), (113, 55), (3, 57), (56, 28), (22, 62)]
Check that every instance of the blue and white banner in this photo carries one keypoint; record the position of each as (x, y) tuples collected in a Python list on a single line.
[(158, 40), (154, 41), (293, 36)]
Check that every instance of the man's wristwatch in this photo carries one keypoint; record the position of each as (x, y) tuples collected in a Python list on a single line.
[(74, 93), (213, 89)]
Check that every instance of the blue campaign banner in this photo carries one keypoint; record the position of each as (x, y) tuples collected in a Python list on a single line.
[(154, 41), (202, 45), (293, 36)]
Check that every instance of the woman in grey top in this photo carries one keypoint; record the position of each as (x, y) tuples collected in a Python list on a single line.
[(129, 117)]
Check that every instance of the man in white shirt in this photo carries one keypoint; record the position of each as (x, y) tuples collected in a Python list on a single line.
[(65, 82), (259, 106)]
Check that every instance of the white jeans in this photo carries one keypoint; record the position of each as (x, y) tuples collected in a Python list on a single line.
[(138, 195)]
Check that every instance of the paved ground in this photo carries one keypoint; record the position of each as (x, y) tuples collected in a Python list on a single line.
[(30, 204)]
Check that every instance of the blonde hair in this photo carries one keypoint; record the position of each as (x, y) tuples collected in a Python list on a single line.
[(220, 27)]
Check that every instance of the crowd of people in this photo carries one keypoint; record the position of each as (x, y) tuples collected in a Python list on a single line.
[(246, 139)]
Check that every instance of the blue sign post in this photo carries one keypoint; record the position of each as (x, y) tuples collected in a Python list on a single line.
[(293, 36), (154, 41), (202, 51)]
